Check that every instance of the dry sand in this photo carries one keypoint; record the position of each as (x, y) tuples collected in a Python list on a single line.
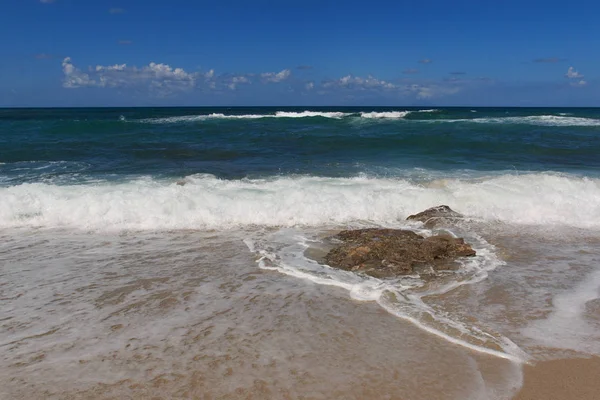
[(571, 379)]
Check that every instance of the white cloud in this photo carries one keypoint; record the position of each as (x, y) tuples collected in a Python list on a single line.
[(579, 83), (407, 89), (358, 83), (426, 61), (161, 78), (232, 82), (115, 67), (155, 76), (573, 74), (276, 77), (74, 78), (429, 91)]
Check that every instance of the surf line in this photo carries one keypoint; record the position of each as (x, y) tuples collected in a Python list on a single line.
[(280, 267)]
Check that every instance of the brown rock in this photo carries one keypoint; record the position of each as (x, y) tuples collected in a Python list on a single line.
[(435, 216), (384, 253)]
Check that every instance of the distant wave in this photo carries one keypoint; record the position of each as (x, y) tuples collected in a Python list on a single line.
[(278, 114), (389, 114), (284, 114), (541, 120), (304, 114), (207, 202), (392, 114)]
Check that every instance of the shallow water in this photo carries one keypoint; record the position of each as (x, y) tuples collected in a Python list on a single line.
[(182, 313), (177, 314)]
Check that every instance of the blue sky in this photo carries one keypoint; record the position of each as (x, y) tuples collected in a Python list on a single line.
[(234, 52)]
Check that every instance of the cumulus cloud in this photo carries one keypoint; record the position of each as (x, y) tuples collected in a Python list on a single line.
[(276, 77), (425, 61), (579, 83), (430, 91), (358, 83), (160, 78), (357, 87), (233, 81), (155, 76), (74, 78), (573, 74)]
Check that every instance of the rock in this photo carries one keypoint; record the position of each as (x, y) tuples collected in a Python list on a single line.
[(385, 253), (436, 215)]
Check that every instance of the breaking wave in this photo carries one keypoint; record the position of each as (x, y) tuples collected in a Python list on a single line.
[(216, 116), (205, 201), (284, 114), (541, 120)]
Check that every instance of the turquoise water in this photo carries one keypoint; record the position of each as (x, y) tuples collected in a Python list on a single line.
[(287, 166), (73, 145)]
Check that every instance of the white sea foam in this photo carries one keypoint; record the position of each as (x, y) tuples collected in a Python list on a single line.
[(541, 120), (208, 202), (567, 326), (278, 114), (304, 114), (392, 114), (402, 298), (388, 114), (283, 114)]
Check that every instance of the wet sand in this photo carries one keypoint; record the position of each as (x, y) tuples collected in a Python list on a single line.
[(190, 315), (575, 379)]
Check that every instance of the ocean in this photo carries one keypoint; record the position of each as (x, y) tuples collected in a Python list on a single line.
[(177, 252)]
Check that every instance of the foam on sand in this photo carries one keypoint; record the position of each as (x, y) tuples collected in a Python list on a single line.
[(403, 297)]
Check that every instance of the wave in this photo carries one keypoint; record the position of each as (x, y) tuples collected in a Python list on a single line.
[(541, 120), (389, 114), (393, 114), (284, 114), (205, 202), (304, 114), (278, 114)]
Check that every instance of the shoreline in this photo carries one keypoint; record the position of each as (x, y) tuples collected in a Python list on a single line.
[(564, 379)]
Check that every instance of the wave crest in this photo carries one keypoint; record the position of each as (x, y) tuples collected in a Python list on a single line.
[(205, 202), (541, 120)]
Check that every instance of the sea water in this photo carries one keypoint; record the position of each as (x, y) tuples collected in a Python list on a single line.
[(177, 252)]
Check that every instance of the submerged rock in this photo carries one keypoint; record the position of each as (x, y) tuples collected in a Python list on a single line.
[(385, 253), (436, 215)]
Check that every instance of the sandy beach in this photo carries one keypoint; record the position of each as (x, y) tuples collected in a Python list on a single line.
[(562, 379)]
